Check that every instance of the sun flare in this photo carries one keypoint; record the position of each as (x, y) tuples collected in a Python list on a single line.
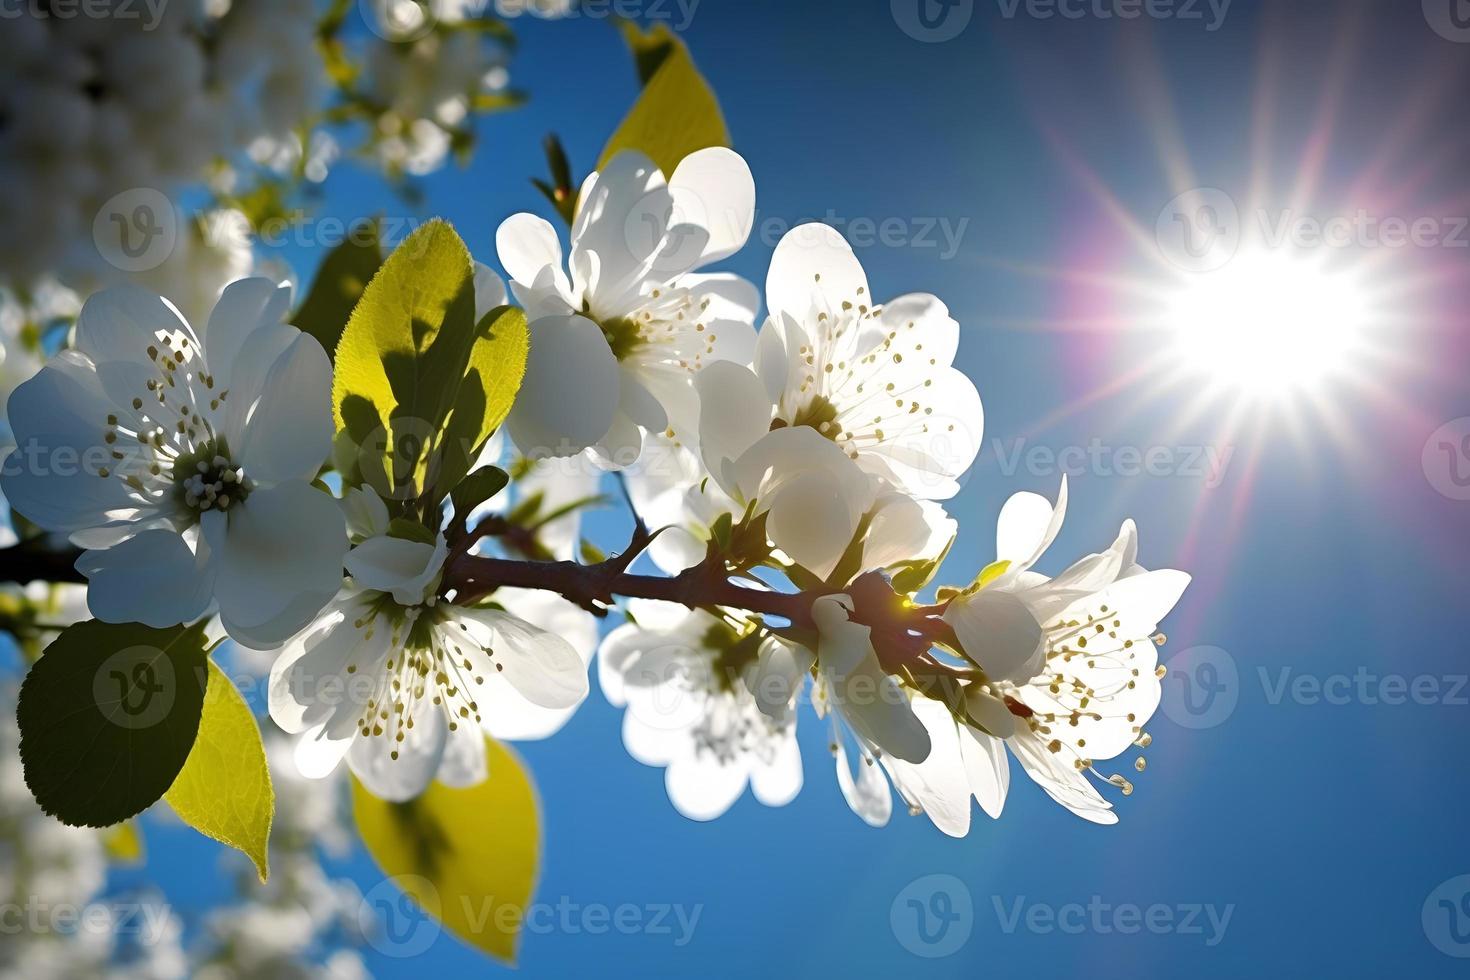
[(1270, 323)]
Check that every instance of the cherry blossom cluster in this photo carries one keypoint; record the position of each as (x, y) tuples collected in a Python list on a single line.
[(787, 474)]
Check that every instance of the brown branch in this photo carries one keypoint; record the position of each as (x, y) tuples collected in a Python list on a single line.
[(32, 561)]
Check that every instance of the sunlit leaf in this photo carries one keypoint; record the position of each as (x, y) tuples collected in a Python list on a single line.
[(419, 382), (677, 112), (468, 857), (224, 790)]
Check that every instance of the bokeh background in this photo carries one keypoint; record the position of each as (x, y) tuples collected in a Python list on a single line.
[(1303, 812)]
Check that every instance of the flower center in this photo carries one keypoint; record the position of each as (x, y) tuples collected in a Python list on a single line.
[(162, 443), (818, 413), (206, 479), (427, 670), (622, 335)]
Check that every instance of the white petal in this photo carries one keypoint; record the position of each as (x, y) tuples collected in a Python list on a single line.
[(419, 755), (777, 782), (904, 529), (868, 794), (713, 188), (939, 784), (464, 763), (988, 768), (540, 665), (1027, 526), (871, 701), (489, 291), (780, 669), (509, 716), (702, 788), (404, 568), (571, 389), (280, 562), (1056, 774), (288, 435), (120, 323), (999, 632), (243, 307), (316, 756), (58, 418), (734, 412), (813, 270), (527, 244), (152, 578)]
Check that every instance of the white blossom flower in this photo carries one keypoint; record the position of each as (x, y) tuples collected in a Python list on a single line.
[(875, 381), (99, 106), (1071, 661), (613, 344), (910, 738), (184, 462), (425, 88), (683, 677), (405, 686)]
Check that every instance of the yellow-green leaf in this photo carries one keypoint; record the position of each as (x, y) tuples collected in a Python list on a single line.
[(394, 379), (420, 383), (468, 857), (224, 790), (677, 112), (124, 843)]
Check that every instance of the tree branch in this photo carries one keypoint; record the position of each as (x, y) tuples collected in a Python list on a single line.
[(32, 561)]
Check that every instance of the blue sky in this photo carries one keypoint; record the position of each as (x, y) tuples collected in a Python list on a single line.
[(1300, 805)]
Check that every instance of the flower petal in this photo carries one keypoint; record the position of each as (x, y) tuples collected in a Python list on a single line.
[(152, 578), (812, 271), (527, 244), (703, 788), (288, 434), (999, 632), (571, 389), (540, 665), (280, 562), (419, 756), (122, 322), (714, 189), (242, 308)]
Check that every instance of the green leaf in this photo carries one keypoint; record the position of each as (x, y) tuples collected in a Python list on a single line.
[(677, 112), (408, 530), (911, 576), (339, 284), (419, 383), (481, 485), (467, 857), (650, 49), (224, 790), (497, 365), (108, 716)]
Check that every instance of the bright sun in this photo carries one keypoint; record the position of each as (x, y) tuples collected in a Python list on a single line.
[(1269, 323)]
